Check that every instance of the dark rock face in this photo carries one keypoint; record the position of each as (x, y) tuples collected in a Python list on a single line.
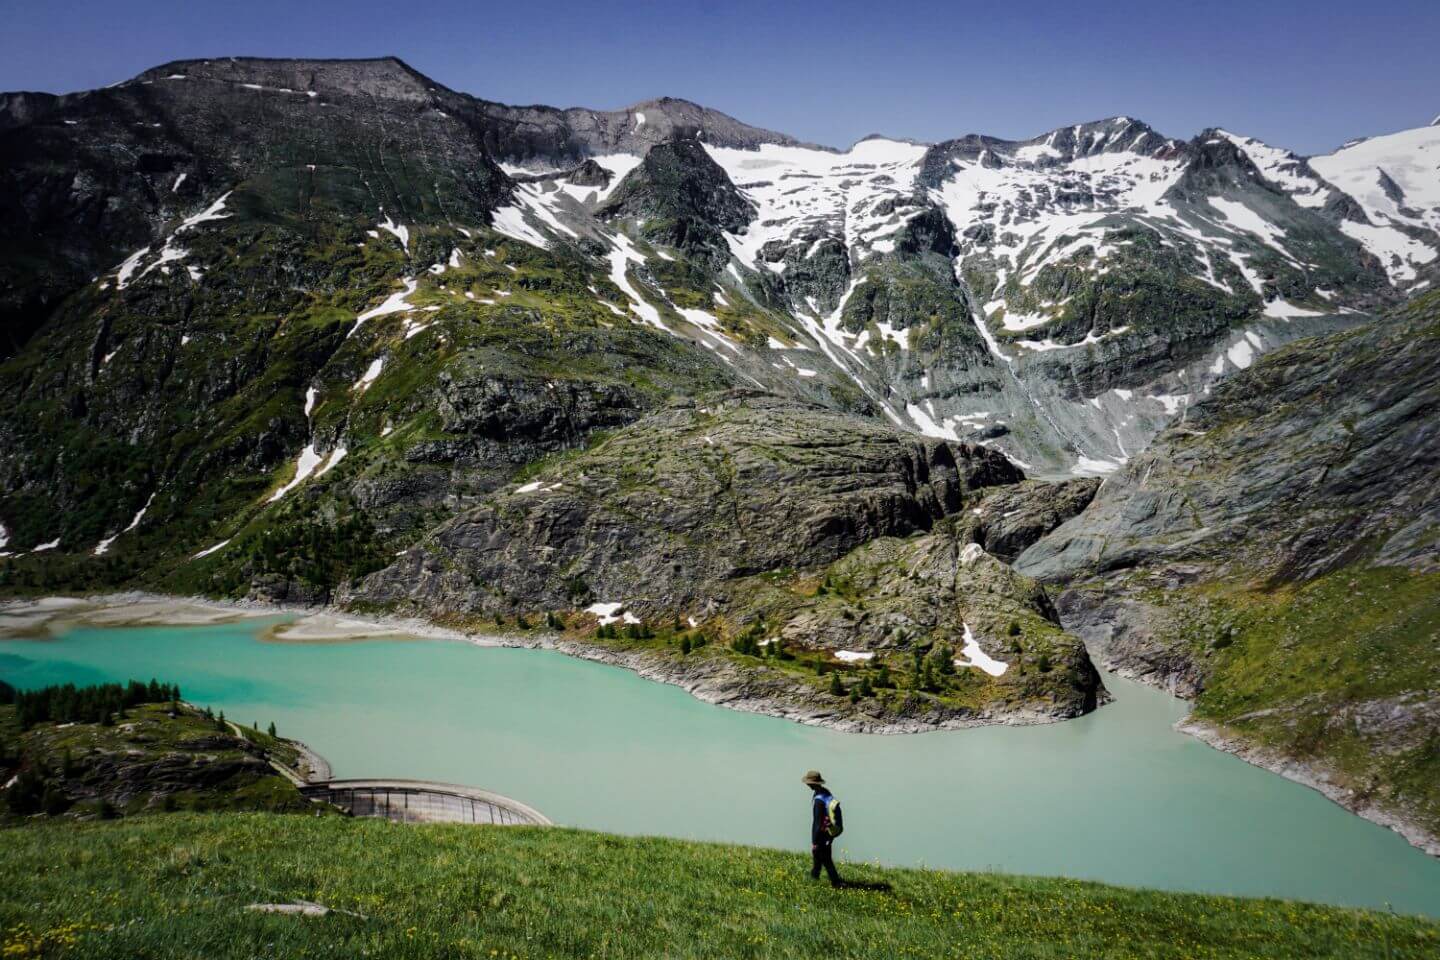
[(18, 109), (686, 499), (589, 174), (686, 200), (1012, 518), (274, 588), (818, 267), (1123, 631), (928, 233), (534, 416)]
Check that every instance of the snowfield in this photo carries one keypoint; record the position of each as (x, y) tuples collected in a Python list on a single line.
[(800, 191)]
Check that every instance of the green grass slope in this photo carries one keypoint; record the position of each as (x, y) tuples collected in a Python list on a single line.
[(178, 885)]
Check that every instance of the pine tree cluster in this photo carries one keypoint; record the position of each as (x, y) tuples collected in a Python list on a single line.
[(67, 703)]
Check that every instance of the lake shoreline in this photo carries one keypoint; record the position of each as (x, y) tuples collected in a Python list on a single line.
[(1314, 776), (718, 684), (708, 680)]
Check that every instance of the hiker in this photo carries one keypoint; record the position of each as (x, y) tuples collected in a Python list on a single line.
[(826, 823)]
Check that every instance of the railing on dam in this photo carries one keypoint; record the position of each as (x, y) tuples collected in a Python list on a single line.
[(423, 801)]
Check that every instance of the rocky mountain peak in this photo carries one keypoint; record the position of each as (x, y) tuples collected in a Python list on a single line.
[(685, 198), (1112, 135), (1214, 153), (388, 78)]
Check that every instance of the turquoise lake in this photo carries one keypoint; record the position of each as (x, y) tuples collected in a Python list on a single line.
[(1116, 796)]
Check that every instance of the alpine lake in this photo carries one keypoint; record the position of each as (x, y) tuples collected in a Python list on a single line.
[(1117, 796)]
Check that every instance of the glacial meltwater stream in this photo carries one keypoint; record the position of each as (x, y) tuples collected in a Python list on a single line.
[(1116, 796)]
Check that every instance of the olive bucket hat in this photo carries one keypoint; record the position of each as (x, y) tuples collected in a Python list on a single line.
[(812, 778)]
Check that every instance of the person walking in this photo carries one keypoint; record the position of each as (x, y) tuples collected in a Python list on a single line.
[(826, 823)]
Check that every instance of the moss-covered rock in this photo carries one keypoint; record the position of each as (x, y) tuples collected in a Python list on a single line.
[(663, 512)]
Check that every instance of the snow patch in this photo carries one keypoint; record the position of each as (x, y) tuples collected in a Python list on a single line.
[(104, 545), (618, 165), (511, 222), (212, 212), (1173, 403), (128, 267), (803, 192), (401, 232), (395, 303), (209, 550), (1242, 354), (1364, 169), (539, 486), (609, 613), (368, 377), (1284, 310), (623, 253), (1092, 467), (304, 466), (927, 425), (975, 657), (1284, 169), (335, 457)]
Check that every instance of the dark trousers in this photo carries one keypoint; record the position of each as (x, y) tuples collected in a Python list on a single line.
[(820, 857)]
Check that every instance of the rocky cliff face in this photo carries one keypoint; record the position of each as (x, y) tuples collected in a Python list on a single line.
[(1320, 456), (662, 514)]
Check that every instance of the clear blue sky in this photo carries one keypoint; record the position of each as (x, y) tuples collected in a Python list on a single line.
[(1305, 75)]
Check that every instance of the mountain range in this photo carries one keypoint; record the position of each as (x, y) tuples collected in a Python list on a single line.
[(891, 437)]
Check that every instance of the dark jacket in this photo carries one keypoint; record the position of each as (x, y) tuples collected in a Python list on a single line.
[(820, 817)]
